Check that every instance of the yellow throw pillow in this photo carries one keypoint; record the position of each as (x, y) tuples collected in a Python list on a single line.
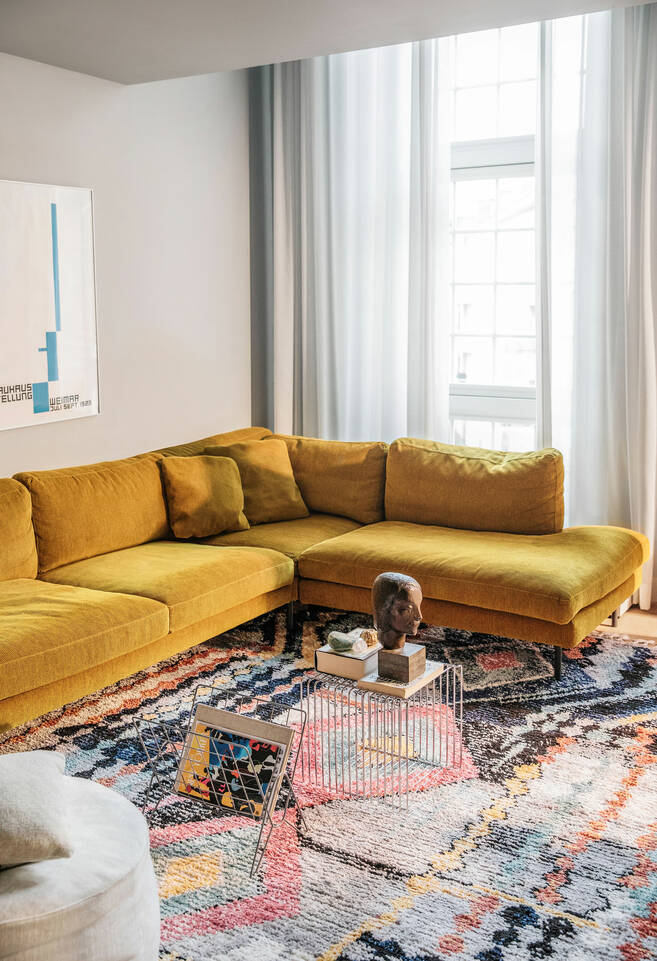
[(204, 495), (270, 490)]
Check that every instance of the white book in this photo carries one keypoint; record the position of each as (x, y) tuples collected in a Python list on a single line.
[(347, 664), (382, 685)]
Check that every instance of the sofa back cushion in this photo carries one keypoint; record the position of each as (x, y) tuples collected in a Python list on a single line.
[(340, 477), (81, 512), (18, 556), (474, 489), (193, 447)]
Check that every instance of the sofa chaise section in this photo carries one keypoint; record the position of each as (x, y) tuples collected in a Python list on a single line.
[(551, 588)]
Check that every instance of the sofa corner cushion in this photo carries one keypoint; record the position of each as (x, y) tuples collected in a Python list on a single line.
[(474, 489), (50, 631), (271, 492), (35, 821), (346, 478), (204, 495), (194, 581), (80, 512), (289, 537), (18, 554), (548, 576)]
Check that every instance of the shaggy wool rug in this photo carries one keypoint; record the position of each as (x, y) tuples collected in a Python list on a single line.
[(543, 844)]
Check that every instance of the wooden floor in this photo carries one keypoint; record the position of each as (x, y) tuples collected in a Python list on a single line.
[(637, 625)]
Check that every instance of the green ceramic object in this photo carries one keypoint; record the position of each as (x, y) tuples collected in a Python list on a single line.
[(340, 642)]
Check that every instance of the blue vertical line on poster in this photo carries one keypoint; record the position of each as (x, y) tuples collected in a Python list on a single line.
[(55, 265), (40, 394)]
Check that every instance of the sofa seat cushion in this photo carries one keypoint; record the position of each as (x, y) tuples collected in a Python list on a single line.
[(195, 581), (548, 576), (288, 537), (50, 631)]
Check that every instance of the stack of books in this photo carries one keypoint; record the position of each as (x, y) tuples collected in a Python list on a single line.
[(384, 685), (347, 664)]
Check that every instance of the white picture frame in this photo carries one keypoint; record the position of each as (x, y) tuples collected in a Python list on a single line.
[(48, 323)]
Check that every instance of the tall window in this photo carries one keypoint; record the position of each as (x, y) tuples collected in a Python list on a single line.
[(493, 283)]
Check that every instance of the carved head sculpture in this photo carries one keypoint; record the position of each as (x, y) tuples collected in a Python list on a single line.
[(397, 601)]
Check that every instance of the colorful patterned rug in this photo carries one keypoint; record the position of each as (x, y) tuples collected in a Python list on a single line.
[(544, 845)]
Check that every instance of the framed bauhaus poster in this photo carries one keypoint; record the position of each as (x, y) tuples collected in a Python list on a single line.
[(48, 352)]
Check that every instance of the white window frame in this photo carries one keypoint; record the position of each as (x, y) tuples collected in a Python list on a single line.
[(471, 155), (484, 159)]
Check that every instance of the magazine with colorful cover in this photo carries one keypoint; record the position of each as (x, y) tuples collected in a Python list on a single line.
[(234, 761)]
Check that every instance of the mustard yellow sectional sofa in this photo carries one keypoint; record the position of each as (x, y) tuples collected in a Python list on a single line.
[(94, 586)]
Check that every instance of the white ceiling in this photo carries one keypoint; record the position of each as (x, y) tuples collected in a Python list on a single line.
[(132, 41)]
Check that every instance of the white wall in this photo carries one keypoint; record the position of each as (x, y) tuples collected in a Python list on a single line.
[(168, 163)]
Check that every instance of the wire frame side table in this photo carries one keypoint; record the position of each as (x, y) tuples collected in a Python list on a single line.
[(163, 743), (360, 743)]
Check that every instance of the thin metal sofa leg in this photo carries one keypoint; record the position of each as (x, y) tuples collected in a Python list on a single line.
[(615, 617), (557, 662), (289, 617)]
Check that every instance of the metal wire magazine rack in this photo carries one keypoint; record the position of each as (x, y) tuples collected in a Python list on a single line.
[(361, 743), (180, 757)]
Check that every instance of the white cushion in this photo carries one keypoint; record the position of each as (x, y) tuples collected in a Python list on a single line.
[(34, 822), (99, 904)]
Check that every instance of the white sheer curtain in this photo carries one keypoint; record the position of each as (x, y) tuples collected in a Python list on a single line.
[(360, 270), (598, 252), (355, 305)]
